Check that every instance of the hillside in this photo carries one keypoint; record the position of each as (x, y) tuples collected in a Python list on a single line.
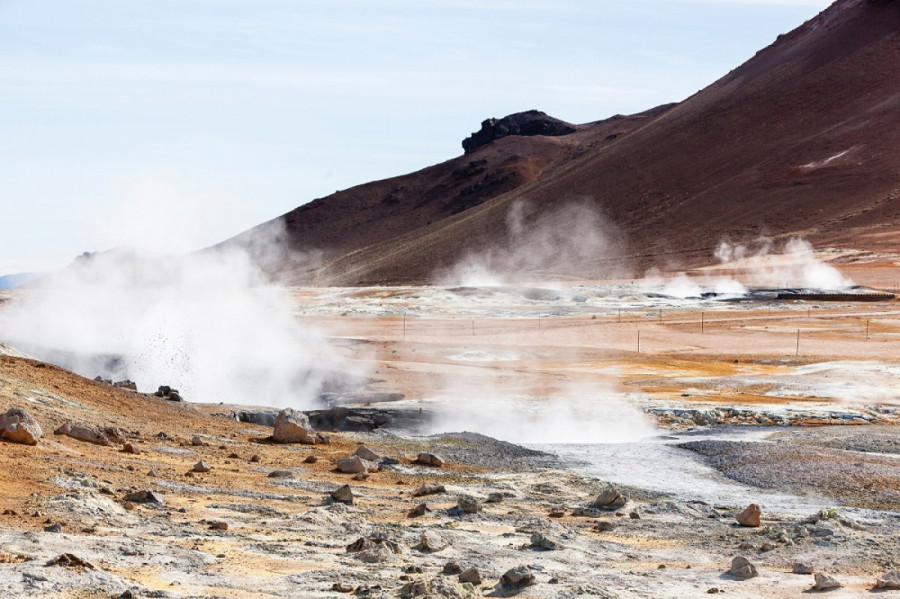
[(804, 138)]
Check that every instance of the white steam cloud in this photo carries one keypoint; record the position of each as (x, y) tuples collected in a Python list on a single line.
[(573, 240), (207, 324)]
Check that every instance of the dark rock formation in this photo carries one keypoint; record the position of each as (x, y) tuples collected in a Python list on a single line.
[(530, 122)]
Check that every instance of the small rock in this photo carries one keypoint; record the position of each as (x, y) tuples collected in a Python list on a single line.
[(557, 512), (889, 580), (255, 458), (429, 489), (354, 464), (343, 494), (145, 496), (153, 472), (311, 459), (341, 587), (610, 498), (201, 466), (292, 426), (750, 516), (452, 568), (472, 576), (367, 454), (197, 441), (234, 456), (106, 436), (218, 525), (713, 591), (539, 541), (604, 526), (70, 560), (825, 582), (432, 542), (53, 528), (494, 498), (130, 448), (419, 510), (742, 569), (635, 515), (430, 459), (468, 505), (801, 568), (281, 474), (517, 578), (17, 426), (128, 505), (767, 546), (361, 476)]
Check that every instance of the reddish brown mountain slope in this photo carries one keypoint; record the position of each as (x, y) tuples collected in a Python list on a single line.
[(803, 138)]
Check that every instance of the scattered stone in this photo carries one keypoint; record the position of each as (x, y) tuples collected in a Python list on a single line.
[(557, 512), (17, 426), (517, 578), (311, 459), (713, 591), (354, 464), (452, 568), (767, 546), (218, 525), (201, 466), (604, 526), (130, 448), (367, 454), (429, 489), (53, 528), (292, 426), (106, 436), (169, 393), (430, 459), (539, 541), (610, 498), (801, 568), (343, 494), (468, 504), (587, 512), (361, 476), (432, 542), (375, 549), (635, 515), (889, 580), (742, 569), (472, 576), (197, 441), (234, 456), (750, 516), (145, 496), (70, 560), (281, 474), (153, 472), (341, 587), (825, 582), (255, 458), (419, 510)]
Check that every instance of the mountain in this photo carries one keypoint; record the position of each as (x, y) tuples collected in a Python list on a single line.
[(802, 139), (16, 280)]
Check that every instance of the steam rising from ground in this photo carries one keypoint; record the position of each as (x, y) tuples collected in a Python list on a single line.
[(207, 324), (574, 240), (795, 266)]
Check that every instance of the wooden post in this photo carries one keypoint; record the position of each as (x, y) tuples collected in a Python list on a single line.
[(867, 330), (797, 351), (639, 341), (702, 323)]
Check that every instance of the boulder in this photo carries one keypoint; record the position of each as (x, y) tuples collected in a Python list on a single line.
[(367, 454), (517, 578), (451, 568), (292, 426), (530, 122), (430, 459), (201, 466), (429, 489), (145, 496), (343, 494), (750, 516), (825, 582), (610, 499), (354, 464), (801, 568), (432, 542), (17, 426), (472, 576), (539, 541), (742, 569), (468, 504), (889, 580), (106, 436)]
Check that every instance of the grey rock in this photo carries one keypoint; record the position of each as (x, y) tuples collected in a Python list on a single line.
[(17, 426), (343, 494), (517, 578), (354, 464), (610, 498), (430, 459), (472, 576), (742, 569), (292, 426), (145, 496), (451, 568), (106, 436), (281, 474), (539, 541), (429, 489), (825, 582), (432, 542), (419, 510), (201, 466), (367, 454), (468, 504), (801, 568), (889, 580)]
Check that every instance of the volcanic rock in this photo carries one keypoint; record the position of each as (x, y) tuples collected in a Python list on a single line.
[(430, 459), (145, 496), (106, 436), (451, 568), (130, 448), (419, 510), (468, 504), (530, 122), (750, 516), (201, 466), (539, 541), (472, 576), (610, 498), (889, 580), (432, 542), (825, 582), (367, 454), (375, 549), (517, 578), (281, 474), (343, 494), (742, 569), (354, 464), (292, 426), (429, 489), (17, 426), (801, 568), (70, 560)]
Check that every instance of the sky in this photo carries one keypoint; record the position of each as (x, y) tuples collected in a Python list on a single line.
[(175, 124)]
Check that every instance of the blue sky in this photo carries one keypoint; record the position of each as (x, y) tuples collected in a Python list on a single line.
[(174, 124)]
